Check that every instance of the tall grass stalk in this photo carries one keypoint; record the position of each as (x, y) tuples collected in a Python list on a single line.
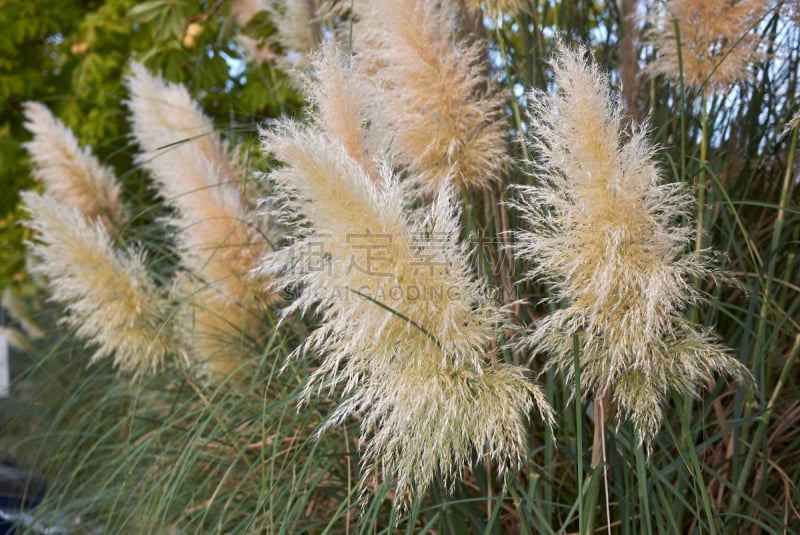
[(576, 351), (701, 174)]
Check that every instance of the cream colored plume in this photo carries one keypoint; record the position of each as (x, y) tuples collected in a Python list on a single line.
[(340, 93), (218, 234), (108, 295), (604, 231), (70, 174), (299, 25), (444, 120), (718, 41), (406, 327), (165, 119)]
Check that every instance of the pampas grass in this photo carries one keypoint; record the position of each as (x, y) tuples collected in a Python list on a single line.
[(109, 296), (384, 400), (70, 174), (443, 116), (220, 241), (718, 44), (406, 328), (299, 27), (605, 232), (164, 118), (340, 95)]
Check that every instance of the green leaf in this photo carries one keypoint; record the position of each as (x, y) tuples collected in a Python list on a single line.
[(147, 11)]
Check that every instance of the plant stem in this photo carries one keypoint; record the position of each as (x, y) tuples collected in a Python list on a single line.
[(701, 175), (601, 412), (578, 423), (644, 498), (688, 443), (514, 103)]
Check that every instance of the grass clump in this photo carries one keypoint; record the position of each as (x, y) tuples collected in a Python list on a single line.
[(342, 329)]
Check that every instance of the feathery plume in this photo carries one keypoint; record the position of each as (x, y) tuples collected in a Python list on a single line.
[(405, 325), (603, 231), (718, 44), (443, 119), (109, 296), (299, 23), (217, 330), (220, 241), (165, 119), (339, 93), (426, 421), (295, 25), (71, 174)]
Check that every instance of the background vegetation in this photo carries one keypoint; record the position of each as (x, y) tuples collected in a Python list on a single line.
[(166, 454)]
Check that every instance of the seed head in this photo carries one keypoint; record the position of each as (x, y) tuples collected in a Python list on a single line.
[(605, 232), (109, 295), (72, 175), (220, 239), (405, 327), (717, 38), (443, 118)]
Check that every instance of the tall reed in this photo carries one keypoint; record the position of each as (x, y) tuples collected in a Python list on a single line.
[(109, 296), (220, 239), (443, 115), (70, 174), (406, 329), (605, 232)]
